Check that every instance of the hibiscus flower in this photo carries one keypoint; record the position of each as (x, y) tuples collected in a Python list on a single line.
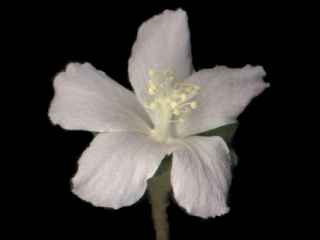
[(171, 105)]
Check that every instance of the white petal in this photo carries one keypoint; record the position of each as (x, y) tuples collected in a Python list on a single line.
[(163, 43), (224, 94), (201, 176), (87, 99), (114, 169)]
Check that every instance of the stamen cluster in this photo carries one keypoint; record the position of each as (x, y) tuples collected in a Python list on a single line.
[(170, 99)]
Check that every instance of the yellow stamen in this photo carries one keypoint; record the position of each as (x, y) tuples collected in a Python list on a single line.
[(170, 101)]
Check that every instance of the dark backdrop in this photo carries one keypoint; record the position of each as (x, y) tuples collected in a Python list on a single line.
[(103, 35)]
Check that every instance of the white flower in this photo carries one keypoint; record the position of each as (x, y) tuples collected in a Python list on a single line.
[(135, 132)]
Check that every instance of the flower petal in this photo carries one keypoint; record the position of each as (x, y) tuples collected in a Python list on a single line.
[(114, 169), (87, 99), (201, 175), (163, 43), (224, 94)]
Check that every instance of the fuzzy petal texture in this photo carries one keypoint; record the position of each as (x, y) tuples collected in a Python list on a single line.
[(224, 94), (87, 99), (201, 175), (163, 43), (114, 169)]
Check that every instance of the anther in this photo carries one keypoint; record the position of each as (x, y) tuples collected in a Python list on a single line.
[(176, 112), (151, 91), (183, 97), (194, 105), (173, 104), (151, 72)]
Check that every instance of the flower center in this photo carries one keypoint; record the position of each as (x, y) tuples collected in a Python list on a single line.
[(170, 101)]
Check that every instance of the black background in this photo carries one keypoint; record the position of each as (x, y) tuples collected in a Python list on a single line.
[(220, 35)]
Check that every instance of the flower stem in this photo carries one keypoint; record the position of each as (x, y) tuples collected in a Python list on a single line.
[(159, 189)]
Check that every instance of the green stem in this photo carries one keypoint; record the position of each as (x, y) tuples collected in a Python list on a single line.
[(159, 189)]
